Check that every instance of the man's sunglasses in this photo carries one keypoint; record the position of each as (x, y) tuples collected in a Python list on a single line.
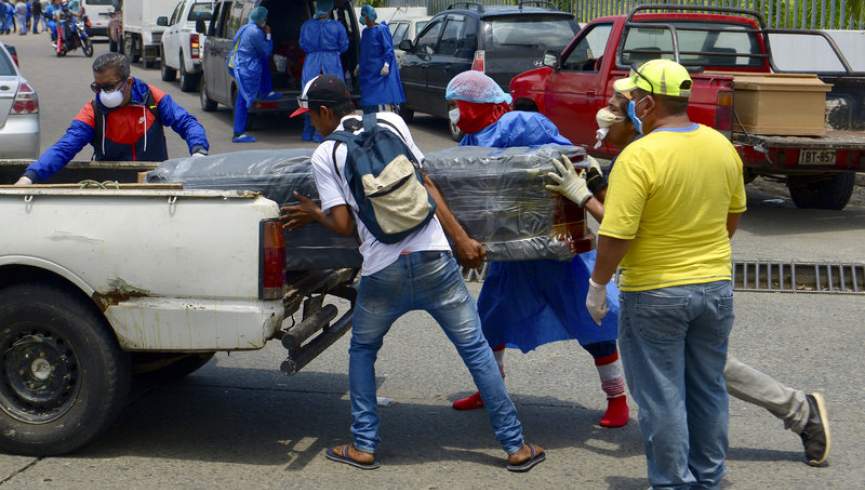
[(635, 71), (96, 88)]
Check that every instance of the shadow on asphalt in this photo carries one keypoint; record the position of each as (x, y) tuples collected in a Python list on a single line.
[(765, 217), (197, 420)]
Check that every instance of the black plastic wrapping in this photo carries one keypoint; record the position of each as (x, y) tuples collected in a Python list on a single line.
[(499, 196), (276, 174)]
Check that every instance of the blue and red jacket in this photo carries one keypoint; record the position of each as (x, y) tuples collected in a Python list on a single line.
[(134, 132)]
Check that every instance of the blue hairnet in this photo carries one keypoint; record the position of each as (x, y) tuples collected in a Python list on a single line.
[(258, 15), (474, 86), (369, 12), (323, 7)]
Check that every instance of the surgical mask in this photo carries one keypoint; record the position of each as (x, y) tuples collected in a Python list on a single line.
[(111, 100), (605, 118), (454, 115), (632, 115)]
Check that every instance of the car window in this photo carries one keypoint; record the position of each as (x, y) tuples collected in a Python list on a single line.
[(419, 27), (400, 33), (175, 15), (696, 47), (199, 8), (392, 27), (235, 19), (426, 42), (531, 31), (7, 69), (459, 37), (589, 49)]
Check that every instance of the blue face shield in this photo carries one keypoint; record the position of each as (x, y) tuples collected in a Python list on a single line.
[(632, 115)]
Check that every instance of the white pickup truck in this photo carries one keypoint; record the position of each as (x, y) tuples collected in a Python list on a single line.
[(181, 44), (96, 285)]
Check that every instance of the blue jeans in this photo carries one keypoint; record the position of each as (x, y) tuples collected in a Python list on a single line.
[(674, 347), (429, 281)]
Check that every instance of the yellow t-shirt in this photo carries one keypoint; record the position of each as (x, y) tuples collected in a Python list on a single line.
[(670, 193)]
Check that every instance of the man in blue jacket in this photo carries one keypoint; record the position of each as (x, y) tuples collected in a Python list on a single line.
[(124, 122)]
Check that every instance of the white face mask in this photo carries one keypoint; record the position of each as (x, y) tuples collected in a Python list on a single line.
[(605, 118), (111, 100), (454, 115)]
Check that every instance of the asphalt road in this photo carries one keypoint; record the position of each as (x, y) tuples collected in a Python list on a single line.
[(238, 422)]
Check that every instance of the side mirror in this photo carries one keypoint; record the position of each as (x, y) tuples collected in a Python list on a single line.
[(200, 26), (551, 59), (406, 45), (162, 21)]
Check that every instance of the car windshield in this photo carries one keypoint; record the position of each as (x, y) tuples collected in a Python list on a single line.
[(707, 48), (532, 31), (199, 8), (7, 69)]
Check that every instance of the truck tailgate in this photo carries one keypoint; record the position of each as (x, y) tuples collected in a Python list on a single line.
[(838, 150)]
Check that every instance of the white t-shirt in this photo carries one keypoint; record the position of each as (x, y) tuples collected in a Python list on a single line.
[(334, 191)]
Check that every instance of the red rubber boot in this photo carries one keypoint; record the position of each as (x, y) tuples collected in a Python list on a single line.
[(471, 402), (617, 414)]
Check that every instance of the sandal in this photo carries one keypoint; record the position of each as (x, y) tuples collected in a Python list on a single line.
[(535, 459), (339, 454)]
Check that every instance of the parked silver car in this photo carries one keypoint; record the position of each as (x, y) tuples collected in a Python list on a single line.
[(19, 112)]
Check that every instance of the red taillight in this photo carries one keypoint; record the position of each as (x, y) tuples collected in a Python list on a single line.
[(480, 61), (194, 46), (272, 260), (26, 101), (724, 112), (266, 105)]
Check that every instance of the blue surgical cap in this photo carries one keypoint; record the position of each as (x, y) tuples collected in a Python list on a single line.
[(258, 15), (369, 12), (474, 86), (323, 7)]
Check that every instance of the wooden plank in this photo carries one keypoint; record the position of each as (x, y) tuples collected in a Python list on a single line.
[(94, 165), (122, 187)]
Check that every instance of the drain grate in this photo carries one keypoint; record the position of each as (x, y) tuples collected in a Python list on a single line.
[(793, 277), (781, 277)]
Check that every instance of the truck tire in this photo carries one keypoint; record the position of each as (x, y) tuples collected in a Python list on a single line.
[(828, 191), (167, 73), (207, 104), (129, 48), (63, 377), (406, 113), (188, 81), (179, 369), (112, 46)]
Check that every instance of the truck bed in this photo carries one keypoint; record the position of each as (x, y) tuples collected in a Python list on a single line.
[(834, 139)]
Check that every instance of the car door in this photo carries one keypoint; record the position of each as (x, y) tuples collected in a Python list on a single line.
[(170, 41), (224, 45), (453, 55), (413, 71), (576, 90)]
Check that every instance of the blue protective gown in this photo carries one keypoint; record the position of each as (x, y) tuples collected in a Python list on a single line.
[(323, 41), (376, 49), (252, 62), (532, 303)]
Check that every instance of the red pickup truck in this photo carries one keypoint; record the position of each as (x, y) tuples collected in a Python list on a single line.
[(574, 84)]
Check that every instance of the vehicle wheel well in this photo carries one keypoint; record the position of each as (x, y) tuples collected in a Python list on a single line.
[(527, 105), (11, 275)]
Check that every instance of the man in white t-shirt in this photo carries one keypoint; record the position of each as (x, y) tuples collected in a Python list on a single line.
[(418, 273)]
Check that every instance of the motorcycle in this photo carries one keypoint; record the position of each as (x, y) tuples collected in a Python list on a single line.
[(71, 35)]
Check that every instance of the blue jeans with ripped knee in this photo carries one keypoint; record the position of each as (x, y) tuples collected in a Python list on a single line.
[(429, 281)]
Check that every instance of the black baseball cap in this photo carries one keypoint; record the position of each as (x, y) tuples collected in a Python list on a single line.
[(323, 90)]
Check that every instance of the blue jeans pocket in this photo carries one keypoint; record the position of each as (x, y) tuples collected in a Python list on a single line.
[(659, 315)]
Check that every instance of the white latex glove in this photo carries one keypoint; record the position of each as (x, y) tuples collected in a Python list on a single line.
[(594, 164), (596, 301), (24, 181), (568, 182), (385, 70)]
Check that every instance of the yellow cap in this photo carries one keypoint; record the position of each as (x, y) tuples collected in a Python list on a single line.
[(661, 77)]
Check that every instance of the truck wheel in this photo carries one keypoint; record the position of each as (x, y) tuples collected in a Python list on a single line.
[(148, 368), (188, 81), (406, 114), (129, 49), (63, 377), (207, 104), (112, 46), (168, 74), (828, 191)]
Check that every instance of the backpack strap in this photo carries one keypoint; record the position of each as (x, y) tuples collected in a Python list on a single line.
[(339, 137)]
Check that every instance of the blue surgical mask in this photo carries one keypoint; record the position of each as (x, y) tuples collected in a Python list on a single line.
[(632, 115)]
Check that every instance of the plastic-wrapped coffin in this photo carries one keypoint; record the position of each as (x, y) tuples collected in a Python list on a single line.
[(497, 194)]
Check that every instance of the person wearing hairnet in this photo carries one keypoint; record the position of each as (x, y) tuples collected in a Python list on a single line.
[(324, 40), (380, 86), (249, 65), (531, 303)]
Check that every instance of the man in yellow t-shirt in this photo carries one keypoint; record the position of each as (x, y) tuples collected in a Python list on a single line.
[(674, 200)]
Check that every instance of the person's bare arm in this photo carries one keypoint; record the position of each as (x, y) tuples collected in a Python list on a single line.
[(338, 218), (611, 251), (733, 223), (595, 208), (469, 252)]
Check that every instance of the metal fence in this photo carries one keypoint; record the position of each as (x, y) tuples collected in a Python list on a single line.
[(789, 14)]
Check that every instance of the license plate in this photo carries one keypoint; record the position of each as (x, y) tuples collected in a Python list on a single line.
[(825, 158)]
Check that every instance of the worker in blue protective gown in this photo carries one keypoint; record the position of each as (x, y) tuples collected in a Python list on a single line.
[(531, 303), (324, 40), (249, 65), (380, 85)]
